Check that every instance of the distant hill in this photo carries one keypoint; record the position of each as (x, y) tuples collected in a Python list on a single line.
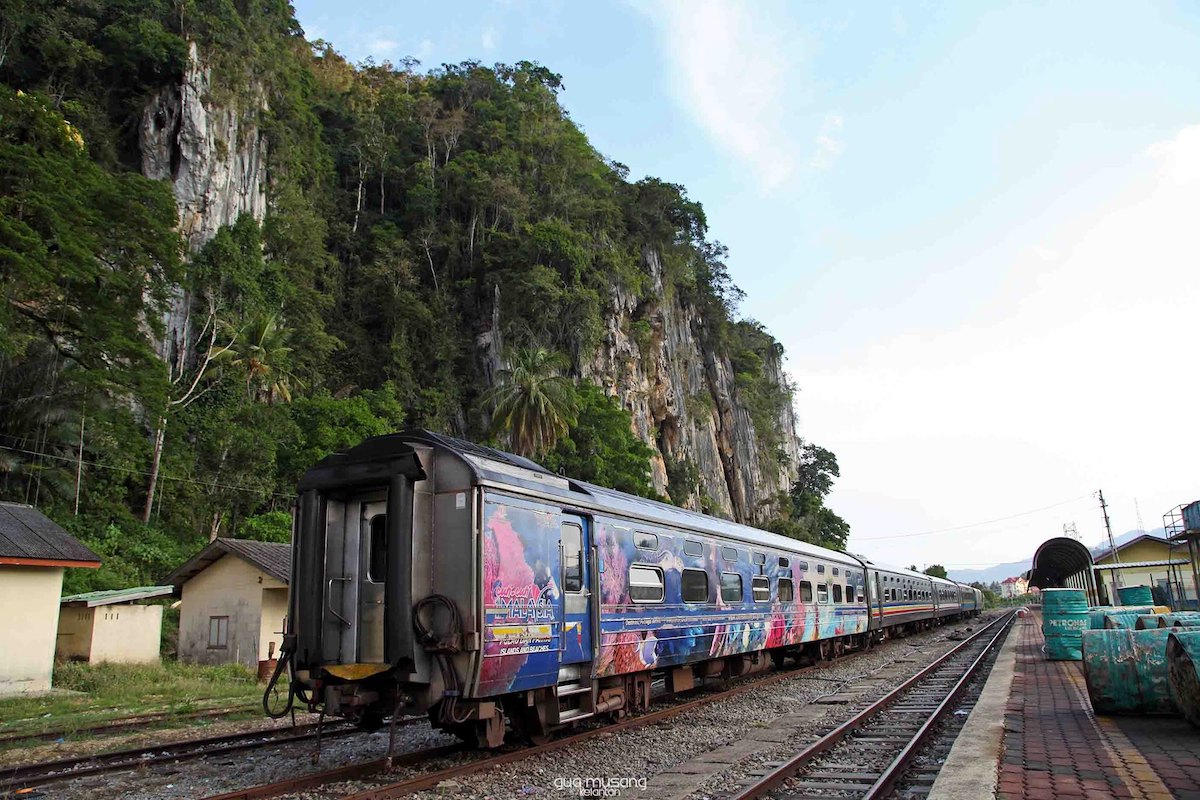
[(1009, 569), (986, 575)]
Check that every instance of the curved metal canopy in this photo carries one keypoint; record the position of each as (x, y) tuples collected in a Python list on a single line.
[(1058, 559)]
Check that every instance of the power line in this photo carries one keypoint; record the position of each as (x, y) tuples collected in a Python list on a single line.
[(206, 484), (973, 524)]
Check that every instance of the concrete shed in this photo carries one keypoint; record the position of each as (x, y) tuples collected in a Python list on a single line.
[(33, 553), (115, 626), (234, 602)]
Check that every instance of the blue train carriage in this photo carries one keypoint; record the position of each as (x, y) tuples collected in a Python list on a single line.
[(431, 575)]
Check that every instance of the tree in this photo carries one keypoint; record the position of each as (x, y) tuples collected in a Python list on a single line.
[(258, 356), (936, 570), (534, 405), (913, 568), (601, 447)]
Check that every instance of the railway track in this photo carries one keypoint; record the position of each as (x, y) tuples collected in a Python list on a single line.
[(26, 776), (867, 756), (124, 724), (431, 779)]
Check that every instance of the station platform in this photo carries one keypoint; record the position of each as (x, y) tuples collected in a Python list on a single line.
[(1032, 736)]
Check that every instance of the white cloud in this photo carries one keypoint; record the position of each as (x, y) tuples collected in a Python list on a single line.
[(425, 49), (829, 147), (382, 47), (1078, 375), (488, 38), (728, 71)]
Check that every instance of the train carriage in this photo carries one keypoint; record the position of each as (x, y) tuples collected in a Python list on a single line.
[(432, 575)]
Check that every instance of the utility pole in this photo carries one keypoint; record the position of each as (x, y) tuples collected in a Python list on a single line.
[(79, 465), (1112, 547)]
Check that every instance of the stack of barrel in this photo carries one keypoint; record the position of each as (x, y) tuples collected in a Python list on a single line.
[(1143, 661)]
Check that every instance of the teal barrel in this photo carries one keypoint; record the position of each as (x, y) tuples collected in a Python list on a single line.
[(1148, 622), (1096, 614), (1181, 619), (1121, 620), (1183, 672), (1064, 616), (1135, 595), (1126, 671)]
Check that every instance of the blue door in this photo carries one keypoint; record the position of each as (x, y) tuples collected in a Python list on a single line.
[(575, 545)]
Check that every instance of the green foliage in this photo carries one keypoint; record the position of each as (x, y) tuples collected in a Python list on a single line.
[(683, 478), (936, 570), (802, 512), (600, 446), (535, 406), (273, 526), (412, 216)]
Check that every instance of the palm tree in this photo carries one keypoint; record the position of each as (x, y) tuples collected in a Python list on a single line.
[(534, 404), (259, 353)]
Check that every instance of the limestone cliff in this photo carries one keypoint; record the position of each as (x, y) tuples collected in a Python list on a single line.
[(214, 155), (653, 357), (686, 405)]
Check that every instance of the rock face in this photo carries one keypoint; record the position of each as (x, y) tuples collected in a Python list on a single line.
[(685, 404), (215, 158)]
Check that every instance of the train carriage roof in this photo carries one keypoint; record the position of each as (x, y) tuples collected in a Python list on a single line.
[(498, 469)]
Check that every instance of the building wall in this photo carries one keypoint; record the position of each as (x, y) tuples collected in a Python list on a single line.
[(1149, 576), (75, 633), (232, 588), (125, 633), (29, 597), (275, 609)]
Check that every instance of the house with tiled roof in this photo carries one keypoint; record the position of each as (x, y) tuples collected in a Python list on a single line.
[(34, 551), (1014, 587), (233, 605)]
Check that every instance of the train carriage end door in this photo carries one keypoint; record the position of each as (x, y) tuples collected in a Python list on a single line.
[(879, 598), (575, 544)]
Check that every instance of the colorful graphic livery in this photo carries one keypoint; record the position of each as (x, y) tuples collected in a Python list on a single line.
[(432, 575)]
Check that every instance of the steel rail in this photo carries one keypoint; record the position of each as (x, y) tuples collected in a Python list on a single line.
[(894, 770), (778, 776), (25, 776), (130, 723)]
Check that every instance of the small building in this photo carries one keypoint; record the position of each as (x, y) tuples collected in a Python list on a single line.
[(33, 553), (1015, 586), (234, 602), (1147, 560), (114, 625)]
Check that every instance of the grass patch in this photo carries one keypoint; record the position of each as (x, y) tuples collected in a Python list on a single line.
[(109, 691)]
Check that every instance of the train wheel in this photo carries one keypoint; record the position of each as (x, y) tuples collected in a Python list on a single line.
[(825, 650), (839, 648)]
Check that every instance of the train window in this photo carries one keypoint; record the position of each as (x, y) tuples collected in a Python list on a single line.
[(805, 592), (731, 587), (761, 588), (694, 586), (786, 591), (645, 584), (729, 553), (803, 566), (822, 593), (377, 555), (820, 569), (645, 541), (693, 548), (861, 597), (835, 571), (849, 593), (571, 536), (837, 593), (783, 562), (760, 558)]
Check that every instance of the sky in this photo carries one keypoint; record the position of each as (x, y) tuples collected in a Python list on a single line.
[(973, 226)]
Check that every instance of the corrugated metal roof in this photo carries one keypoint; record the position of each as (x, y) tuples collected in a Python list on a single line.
[(1140, 564), (273, 558), (26, 533), (109, 596)]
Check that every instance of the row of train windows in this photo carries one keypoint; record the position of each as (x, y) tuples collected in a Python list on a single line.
[(649, 541), (646, 586)]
